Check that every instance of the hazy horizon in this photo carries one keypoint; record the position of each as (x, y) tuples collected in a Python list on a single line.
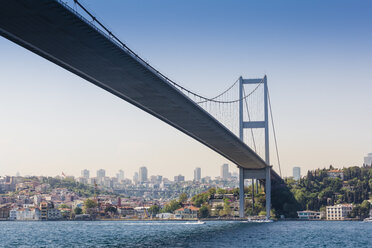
[(317, 56)]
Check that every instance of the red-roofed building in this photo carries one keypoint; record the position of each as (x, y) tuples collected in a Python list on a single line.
[(189, 212)]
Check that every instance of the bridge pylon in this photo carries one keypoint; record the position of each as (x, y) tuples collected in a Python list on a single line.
[(255, 174)]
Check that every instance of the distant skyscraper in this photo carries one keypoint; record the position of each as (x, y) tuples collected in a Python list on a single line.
[(197, 174), (296, 173), (120, 175), (135, 177), (368, 159), (85, 174), (179, 178), (101, 173), (225, 171), (142, 174)]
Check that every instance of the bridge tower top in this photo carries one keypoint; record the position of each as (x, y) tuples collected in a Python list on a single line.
[(254, 124)]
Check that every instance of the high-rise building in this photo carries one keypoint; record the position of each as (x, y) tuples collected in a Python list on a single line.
[(135, 177), (101, 173), (296, 173), (120, 175), (142, 174), (368, 159), (197, 174), (85, 173), (225, 171), (179, 178)]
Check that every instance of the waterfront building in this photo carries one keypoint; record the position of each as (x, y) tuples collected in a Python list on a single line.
[(13, 214), (368, 159), (308, 215), (165, 216), (336, 173), (142, 174), (85, 174), (338, 212), (127, 211), (189, 212), (28, 214), (296, 173), (54, 214), (225, 171), (4, 211), (179, 178), (197, 174)]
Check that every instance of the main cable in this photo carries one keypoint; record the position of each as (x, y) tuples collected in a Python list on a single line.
[(204, 99)]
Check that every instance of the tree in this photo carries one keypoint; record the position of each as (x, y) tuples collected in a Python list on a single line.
[(111, 210), (90, 206), (78, 210), (204, 212), (89, 203), (183, 198), (221, 191), (226, 206), (154, 209), (171, 206), (63, 206)]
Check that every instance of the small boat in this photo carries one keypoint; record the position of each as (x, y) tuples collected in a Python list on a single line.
[(200, 222), (266, 220), (368, 219)]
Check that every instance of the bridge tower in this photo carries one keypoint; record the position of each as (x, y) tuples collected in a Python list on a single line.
[(261, 173)]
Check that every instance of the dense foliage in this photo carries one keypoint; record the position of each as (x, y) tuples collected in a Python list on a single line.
[(318, 190)]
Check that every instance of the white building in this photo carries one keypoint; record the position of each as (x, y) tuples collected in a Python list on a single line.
[(120, 175), (308, 215), (338, 212), (24, 214), (165, 216), (368, 159), (142, 174), (179, 178), (13, 214), (197, 174), (101, 174), (85, 174), (225, 171), (296, 173), (336, 173)]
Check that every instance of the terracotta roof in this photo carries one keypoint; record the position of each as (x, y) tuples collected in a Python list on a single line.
[(188, 207)]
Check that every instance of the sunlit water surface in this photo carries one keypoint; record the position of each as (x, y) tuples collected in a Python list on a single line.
[(185, 234)]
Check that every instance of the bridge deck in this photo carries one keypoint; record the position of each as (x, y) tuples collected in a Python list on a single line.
[(54, 32)]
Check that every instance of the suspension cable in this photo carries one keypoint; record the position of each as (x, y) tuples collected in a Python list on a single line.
[(222, 92), (272, 123), (204, 99)]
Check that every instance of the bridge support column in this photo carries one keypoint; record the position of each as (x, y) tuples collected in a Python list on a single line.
[(241, 192), (252, 194), (268, 190)]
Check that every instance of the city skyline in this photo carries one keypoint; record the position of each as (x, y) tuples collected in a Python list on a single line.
[(57, 122)]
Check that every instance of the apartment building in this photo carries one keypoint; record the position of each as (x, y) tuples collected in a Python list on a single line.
[(338, 212)]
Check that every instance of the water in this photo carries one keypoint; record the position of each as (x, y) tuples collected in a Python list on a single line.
[(185, 234)]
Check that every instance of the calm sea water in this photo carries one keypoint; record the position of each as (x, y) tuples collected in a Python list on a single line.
[(184, 234)]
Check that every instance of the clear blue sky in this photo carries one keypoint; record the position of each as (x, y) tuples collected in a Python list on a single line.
[(317, 55)]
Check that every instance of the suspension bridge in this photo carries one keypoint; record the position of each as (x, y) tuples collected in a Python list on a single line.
[(234, 123)]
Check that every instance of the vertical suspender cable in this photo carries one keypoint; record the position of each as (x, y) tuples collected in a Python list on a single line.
[(272, 123)]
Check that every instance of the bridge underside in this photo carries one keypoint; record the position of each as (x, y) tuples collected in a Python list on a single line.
[(53, 31)]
